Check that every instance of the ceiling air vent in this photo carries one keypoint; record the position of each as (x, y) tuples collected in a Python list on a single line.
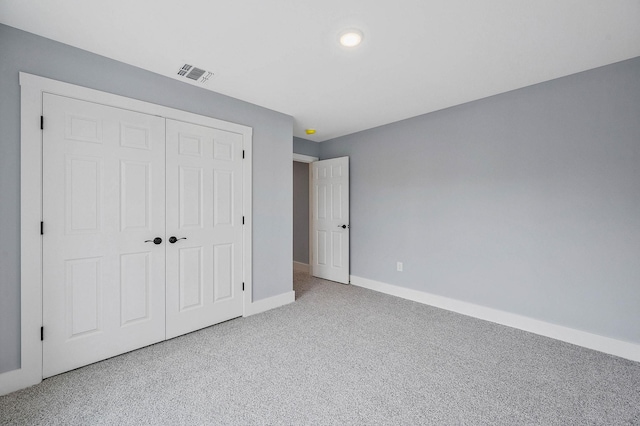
[(195, 74)]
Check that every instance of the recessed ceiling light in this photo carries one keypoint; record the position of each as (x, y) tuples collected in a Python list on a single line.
[(350, 38)]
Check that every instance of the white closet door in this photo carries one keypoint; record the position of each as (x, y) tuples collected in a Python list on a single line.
[(330, 219), (204, 214), (103, 196)]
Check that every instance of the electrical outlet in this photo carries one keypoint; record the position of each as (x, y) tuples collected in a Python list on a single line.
[(399, 266)]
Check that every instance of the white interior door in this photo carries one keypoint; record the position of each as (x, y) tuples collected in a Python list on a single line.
[(330, 219), (204, 214), (103, 197)]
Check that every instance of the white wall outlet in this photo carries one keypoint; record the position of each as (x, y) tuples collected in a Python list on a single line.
[(399, 266)]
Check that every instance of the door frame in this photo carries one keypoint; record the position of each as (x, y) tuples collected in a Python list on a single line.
[(301, 158), (32, 89)]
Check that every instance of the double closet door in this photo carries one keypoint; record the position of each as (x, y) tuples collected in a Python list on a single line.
[(142, 233)]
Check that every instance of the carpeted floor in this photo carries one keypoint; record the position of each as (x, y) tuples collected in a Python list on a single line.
[(342, 355)]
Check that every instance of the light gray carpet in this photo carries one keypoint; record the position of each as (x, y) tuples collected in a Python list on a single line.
[(342, 355)]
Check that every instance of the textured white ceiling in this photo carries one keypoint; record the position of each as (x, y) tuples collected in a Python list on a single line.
[(417, 56)]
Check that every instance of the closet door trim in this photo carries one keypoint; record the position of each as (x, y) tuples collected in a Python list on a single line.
[(32, 89)]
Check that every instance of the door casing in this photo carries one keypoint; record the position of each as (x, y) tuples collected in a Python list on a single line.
[(32, 89), (307, 159)]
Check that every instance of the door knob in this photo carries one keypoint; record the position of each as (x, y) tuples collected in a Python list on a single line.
[(174, 239), (343, 226), (156, 240)]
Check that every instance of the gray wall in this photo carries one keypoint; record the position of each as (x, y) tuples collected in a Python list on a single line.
[(301, 212), (528, 201), (305, 147), (272, 166)]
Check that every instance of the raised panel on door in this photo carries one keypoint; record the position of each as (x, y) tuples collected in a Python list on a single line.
[(83, 296), (103, 196), (190, 277), (223, 272), (204, 213), (82, 194), (135, 287), (190, 197), (329, 227), (135, 195)]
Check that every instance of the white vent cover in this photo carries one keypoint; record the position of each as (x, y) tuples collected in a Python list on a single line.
[(194, 73)]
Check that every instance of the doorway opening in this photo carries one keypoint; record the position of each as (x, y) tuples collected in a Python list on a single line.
[(321, 217), (301, 217)]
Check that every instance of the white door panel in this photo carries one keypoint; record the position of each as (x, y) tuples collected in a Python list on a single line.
[(204, 267), (103, 196), (330, 219)]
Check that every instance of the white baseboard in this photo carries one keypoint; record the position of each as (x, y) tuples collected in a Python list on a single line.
[(302, 267), (14, 380), (270, 303), (588, 340)]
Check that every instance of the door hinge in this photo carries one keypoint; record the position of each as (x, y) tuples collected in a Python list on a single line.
[(41, 228), (243, 220), (242, 286), (243, 153), (42, 122), (41, 334)]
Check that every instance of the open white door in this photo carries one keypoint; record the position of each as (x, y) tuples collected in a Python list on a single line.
[(329, 226)]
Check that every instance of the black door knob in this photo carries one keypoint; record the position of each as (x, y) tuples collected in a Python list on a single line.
[(156, 240), (174, 239), (343, 226)]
